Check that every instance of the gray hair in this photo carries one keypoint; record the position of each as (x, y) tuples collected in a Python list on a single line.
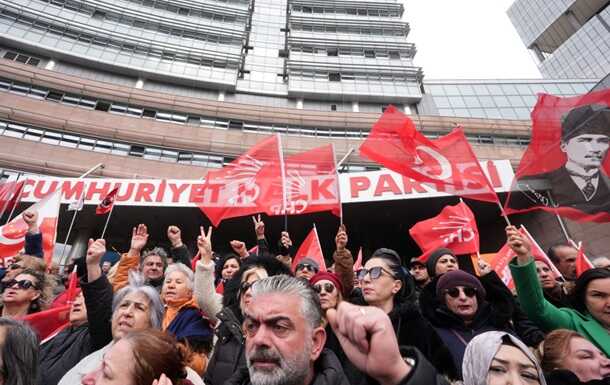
[(181, 267), (154, 251), (136, 285), (284, 284)]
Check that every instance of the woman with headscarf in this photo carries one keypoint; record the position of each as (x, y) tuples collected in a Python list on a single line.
[(499, 358), (589, 316)]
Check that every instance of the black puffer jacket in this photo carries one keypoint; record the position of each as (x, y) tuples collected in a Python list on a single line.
[(228, 360), (59, 354)]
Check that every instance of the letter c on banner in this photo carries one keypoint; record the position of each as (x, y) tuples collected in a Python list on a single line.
[(444, 164)]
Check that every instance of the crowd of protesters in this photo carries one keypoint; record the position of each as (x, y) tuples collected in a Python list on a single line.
[(168, 317)]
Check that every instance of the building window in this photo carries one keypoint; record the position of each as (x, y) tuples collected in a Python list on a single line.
[(22, 58), (99, 15), (394, 54), (332, 52), (333, 107), (149, 113), (369, 53), (334, 77)]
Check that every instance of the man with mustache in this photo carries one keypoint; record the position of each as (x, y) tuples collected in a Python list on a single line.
[(285, 340), (581, 182)]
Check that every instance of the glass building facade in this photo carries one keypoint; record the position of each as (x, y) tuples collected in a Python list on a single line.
[(569, 38)]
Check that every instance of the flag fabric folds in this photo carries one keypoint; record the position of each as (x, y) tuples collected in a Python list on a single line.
[(246, 186), (447, 162), (358, 262), (582, 261), (12, 235), (454, 228), (310, 248), (565, 169), (10, 195), (107, 203)]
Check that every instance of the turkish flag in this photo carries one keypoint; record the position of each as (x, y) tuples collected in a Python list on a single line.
[(582, 262), (245, 186), (10, 195), (565, 169), (358, 263), (310, 248), (106, 204), (454, 228), (49, 322), (447, 162), (312, 183), (12, 235)]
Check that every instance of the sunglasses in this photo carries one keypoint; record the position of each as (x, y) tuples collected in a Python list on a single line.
[(374, 272), (23, 284), (244, 288), (328, 287), (303, 266), (454, 292)]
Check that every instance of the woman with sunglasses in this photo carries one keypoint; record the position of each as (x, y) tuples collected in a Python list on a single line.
[(228, 353), (464, 313), (387, 285), (590, 312), (25, 294)]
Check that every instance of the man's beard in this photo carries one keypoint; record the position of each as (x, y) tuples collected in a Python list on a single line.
[(288, 372)]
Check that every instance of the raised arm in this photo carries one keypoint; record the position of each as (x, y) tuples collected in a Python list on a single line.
[(178, 252), (208, 300), (33, 238), (131, 259), (344, 262)]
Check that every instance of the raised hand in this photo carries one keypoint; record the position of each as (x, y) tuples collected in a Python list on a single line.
[(259, 227), (285, 240), (341, 238), (484, 267), (30, 217), (239, 248), (519, 244), (174, 235), (95, 252), (139, 237), (204, 244), (368, 339)]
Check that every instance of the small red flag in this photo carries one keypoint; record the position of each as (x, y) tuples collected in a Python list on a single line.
[(582, 262), (448, 162), (310, 248), (455, 228), (358, 263), (106, 204), (245, 186), (10, 195)]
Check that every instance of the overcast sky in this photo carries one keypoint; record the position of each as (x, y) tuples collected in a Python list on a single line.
[(467, 39)]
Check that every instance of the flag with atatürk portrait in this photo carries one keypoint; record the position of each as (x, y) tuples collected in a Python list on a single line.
[(565, 169)]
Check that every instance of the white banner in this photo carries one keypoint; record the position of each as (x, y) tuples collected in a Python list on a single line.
[(368, 186)]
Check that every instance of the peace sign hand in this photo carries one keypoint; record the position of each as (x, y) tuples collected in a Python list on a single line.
[(204, 244), (259, 227)]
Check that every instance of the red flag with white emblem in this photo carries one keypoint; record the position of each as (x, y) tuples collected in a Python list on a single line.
[(106, 204), (245, 186), (12, 235), (447, 162), (310, 248), (454, 228)]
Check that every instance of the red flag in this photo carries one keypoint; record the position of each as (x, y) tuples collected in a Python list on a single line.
[(49, 322), (106, 204), (246, 185), (567, 157), (358, 263), (10, 195), (582, 262), (448, 162), (220, 289), (312, 183), (455, 228), (12, 235), (310, 248)]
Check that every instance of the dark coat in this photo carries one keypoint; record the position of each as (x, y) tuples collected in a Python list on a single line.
[(33, 245), (566, 377), (181, 255), (68, 347)]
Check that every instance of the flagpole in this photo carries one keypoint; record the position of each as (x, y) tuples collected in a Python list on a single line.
[(107, 220), (503, 213), (13, 197), (283, 170), (561, 224), (338, 181)]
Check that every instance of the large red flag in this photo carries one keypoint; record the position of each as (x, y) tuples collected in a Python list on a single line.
[(455, 228), (106, 204), (448, 162), (245, 186), (12, 235), (49, 322), (10, 195), (312, 183), (567, 157), (310, 248), (582, 262)]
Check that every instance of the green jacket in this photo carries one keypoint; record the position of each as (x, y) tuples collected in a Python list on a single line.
[(549, 317)]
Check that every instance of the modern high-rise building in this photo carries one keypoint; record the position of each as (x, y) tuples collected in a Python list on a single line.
[(569, 38), (170, 88)]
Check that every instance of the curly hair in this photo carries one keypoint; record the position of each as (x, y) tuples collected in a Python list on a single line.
[(45, 284), (156, 353)]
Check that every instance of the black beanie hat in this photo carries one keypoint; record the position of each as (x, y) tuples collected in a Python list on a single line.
[(456, 278), (434, 257)]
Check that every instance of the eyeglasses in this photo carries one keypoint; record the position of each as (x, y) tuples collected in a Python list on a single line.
[(374, 272), (308, 266), (328, 287), (454, 292), (23, 284)]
